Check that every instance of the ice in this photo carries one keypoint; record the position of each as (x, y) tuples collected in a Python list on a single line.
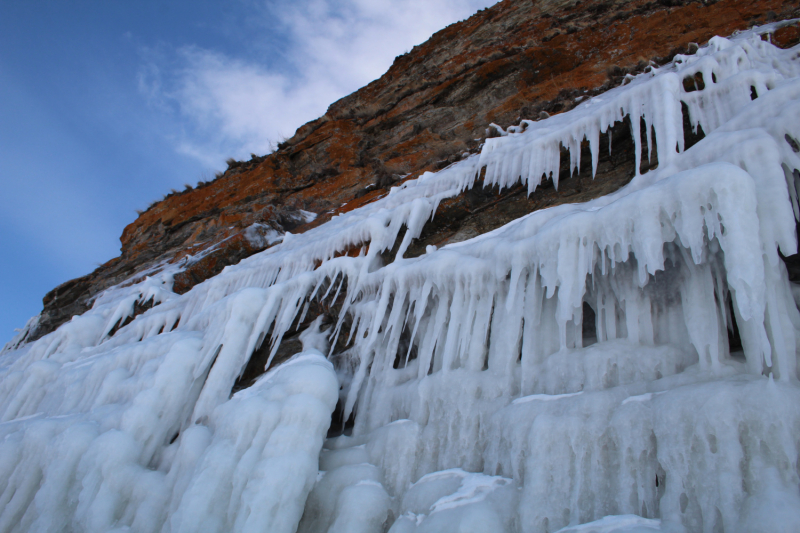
[(545, 397), (474, 488), (116, 448), (348, 496), (454, 501), (571, 369), (616, 524), (265, 448)]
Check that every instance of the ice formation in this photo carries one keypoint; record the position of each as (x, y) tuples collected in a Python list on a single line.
[(481, 403)]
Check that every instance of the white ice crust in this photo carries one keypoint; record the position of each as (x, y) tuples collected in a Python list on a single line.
[(480, 404)]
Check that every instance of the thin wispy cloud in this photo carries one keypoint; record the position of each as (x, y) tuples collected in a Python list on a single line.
[(230, 106)]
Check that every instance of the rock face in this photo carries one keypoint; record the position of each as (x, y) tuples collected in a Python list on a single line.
[(515, 60)]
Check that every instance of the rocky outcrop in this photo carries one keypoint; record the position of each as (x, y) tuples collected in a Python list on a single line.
[(516, 60)]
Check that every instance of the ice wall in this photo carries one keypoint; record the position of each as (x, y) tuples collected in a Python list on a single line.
[(486, 394)]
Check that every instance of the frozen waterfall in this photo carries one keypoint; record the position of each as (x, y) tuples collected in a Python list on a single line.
[(571, 369)]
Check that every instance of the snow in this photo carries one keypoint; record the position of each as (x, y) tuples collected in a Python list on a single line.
[(473, 489), (545, 397), (616, 524), (479, 405), (472, 506), (261, 235), (308, 216)]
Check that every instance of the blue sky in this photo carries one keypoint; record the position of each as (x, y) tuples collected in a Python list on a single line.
[(107, 105)]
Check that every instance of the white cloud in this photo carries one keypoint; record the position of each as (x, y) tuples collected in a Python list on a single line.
[(229, 106)]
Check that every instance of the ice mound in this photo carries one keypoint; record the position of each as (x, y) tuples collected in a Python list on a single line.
[(110, 446), (626, 364)]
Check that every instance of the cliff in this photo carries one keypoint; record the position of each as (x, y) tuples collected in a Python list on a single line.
[(512, 61), (585, 323)]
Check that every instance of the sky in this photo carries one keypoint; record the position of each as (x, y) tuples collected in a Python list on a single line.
[(106, 105)]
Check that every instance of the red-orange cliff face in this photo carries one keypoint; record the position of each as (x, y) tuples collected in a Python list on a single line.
[(512, 61)]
